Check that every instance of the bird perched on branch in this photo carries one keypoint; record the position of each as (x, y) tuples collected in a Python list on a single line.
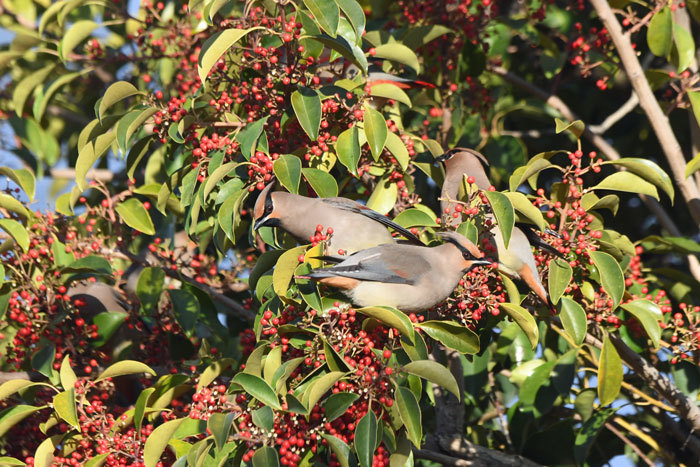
[(410, 278), (354, 226), (516, 260)]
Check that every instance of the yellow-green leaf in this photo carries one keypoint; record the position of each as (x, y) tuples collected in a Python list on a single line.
[(629, 182), (609, 373), (524, 319), (125, 367), (158, 441), (135, 215), (375, 130), (78, 32), (214, 47)]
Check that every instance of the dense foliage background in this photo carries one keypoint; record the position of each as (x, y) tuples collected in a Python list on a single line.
[(144, 322)]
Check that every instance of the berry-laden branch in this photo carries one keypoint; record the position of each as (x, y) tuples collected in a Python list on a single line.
[(658, 120)]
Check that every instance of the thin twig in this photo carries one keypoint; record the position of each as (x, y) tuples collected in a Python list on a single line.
[(616, 116), (629, 443)]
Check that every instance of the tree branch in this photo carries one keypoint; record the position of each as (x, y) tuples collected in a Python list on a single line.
[(616, 116), (658, 120), (102, 175), (474, 455), (605, 148)]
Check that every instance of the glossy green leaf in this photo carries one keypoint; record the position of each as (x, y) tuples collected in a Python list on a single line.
[(649, 171), (375, 131), (347, 147), (524, 319), (452, 335), (340, 449), (158, 441), (573, 318), (16, 231), (398, 149), (214, 47), (435, 373), (660, 33), (116, 92), (398, 53), (284, 270), (526, 209), (11, 461), (135, 215), (390, 91), (258, 388), (576, 127), (611, 277), (141, 405), (649, 314), (149, 287), (391, 317), (609, 373), (560, 274), (66, 374), (384, 196), (685, 46), (533, 168), (321, 386), (11, 204), (107, 323), (125, 367), (23, 178), (326, 14), (410, 413), (322, 182), (43, 360), (64, 405), (26, 86), (288, 171), (337, 404), (629, 182), (78, 32), (266, 456), (307, 107), (44, 454), (15, 414), (504, 212), (366, 438), (219, 425), (415, 218), (694, 165), (353, 11)]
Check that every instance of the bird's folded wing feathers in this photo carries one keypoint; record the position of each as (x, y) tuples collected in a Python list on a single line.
[(536, 241), (400, 268), (353, 206)]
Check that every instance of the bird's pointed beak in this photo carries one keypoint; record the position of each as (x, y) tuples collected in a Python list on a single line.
[(479, 262), (260, 222)]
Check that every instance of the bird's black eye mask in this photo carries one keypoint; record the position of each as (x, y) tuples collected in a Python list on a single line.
[(269, 207), (466, 254)]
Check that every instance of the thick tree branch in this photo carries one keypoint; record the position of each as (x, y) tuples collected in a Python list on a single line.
[(102, 175), (605, 148), (658, 120)]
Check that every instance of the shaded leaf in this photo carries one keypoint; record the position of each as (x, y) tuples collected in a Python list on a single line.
[(573, 318), (609, 373), (649, 314), (410, 414), (611, 277), (214, 47), (435, 373), (258, 388), (560, 274), (125, 367)]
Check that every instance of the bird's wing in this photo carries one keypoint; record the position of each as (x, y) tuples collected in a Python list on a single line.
[(353, 206), (536, 241), (390, 263)]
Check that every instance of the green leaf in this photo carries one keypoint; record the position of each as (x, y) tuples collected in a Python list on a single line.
[(383, 198), (326, 15), (266, 456), (125, 129), (185, 308), (141, 405), (264, 418), (89, 264), (560, 274), (366, 439), (337, 404), (307, 107), (629, 182), (26, 86), (398, 53), (590, 201), (108, 323), (524, 319), (23, 178), (649, 171), (42, 101), (527, 209), (89, 154), (350, 52), (284, 270), (375, 130), (353, 11), (44, 454), (452, 335), (115, 93), (11, 204), (347, 147), (321, 386), (609, 373), (398, 150), (322, 182), (576, 128), (64, 405), (288, 171), (504, 212), (611, 277), (649, 314), (685, 46), (390, 91), (589, 432), (78, 32), (694, 165), (415, 218), (410, 414), (214, 47), (15, 414), (258, 388), (435, 373), (67, 375), (135, 215), (660, 33), (219, 425), (158, 441), (149, 287), (42, 361), (11, 461), (125, 367), (340, 449), (391, 317), (573, 318), (17, 232)]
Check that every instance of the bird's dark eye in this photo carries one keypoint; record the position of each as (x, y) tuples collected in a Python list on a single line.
[(269, 206)]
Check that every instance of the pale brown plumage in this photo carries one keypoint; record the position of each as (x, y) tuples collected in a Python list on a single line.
[(355, 227), (410, 278), (517, 260)]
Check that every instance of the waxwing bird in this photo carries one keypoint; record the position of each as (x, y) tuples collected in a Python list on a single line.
[(517, 260), (410, 278), (355, 226)]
